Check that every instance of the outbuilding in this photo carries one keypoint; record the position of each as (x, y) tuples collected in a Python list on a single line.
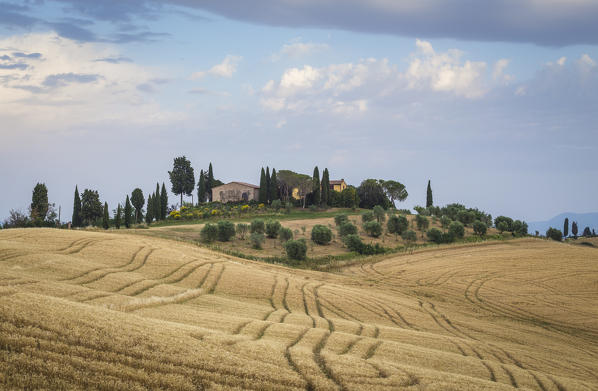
[(235, 191)]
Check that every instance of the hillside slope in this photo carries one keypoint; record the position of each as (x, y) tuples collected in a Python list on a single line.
[(583, 220), (93, 310)]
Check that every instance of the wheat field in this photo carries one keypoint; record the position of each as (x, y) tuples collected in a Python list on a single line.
[(94, 310)]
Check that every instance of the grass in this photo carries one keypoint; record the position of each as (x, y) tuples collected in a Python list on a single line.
[(100, 310)]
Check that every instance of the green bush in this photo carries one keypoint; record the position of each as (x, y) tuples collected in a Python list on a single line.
[(457, 229), (257, 239), (373, 228), (435, 235), (422, 222), (379, 213), (296, 249), (272, 228), (479, 228), (409, 236), (321, 234), (347, 229), (276, 205), (502, 226), (257, 226), (242, 230), (209, 233), (554, 234), (353, 243), (341, 219), (226, 230), (285, 234), (367, 216), (445, 221), (397, 224)]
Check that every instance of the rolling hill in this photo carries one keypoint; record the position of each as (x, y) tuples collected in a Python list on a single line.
[(583, 220)]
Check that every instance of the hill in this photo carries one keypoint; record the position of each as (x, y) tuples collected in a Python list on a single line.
[(91, 310), (583, 220)]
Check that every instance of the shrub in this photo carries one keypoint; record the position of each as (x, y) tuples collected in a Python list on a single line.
[(347, 229), (272, 228), (313, 208), (445, 221), (285, 234), (341, 219), (321, 234), (242, 230), (479, 228), (257, 226), (226, 230), (409, 236), (397, 224), (435, 235), (373, 228), (554, 234), (257, 239), (502, 226), (503, 219), (422, 222), (276, 205), (353, 243), (404, 211), (457, 229), (209, 233), (288, 207), (296, 249), (368, 249), (379, 213), (367, 216)]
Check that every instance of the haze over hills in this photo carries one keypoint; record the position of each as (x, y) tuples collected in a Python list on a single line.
[(583, 220)]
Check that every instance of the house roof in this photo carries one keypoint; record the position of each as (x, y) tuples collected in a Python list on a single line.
[(244, 184), (336, 181)]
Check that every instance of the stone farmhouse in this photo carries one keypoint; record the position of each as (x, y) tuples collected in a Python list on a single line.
[(235, 191)]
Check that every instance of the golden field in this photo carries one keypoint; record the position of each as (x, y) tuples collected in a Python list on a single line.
[(94, 310)]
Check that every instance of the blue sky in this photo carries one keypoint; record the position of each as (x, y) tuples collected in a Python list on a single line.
[(496, 104)]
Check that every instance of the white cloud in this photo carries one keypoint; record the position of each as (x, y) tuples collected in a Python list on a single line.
[(498, 73), (298, 49), (225, 69)]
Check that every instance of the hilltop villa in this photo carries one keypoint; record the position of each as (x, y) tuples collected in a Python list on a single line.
[(235, 191)]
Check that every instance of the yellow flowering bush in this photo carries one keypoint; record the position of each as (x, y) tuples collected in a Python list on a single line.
[(245, 208), (215, 212), (261, 206)]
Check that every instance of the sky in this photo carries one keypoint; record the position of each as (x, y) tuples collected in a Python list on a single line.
[(495, 102)]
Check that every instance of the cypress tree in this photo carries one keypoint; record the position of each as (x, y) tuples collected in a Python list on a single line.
[(317, 199), (268, 183), (273, 186), (201, 188), (106, 220), (210, 182), (574, 229), (163, 202), (429, 200), (76, 221), (119, 212), (325, 187), (150, 210), (128, 210), (566, 227), (156, 203), (263, 187)]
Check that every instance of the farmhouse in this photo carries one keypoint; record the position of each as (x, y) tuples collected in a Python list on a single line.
[(235, 191), (337, 185)]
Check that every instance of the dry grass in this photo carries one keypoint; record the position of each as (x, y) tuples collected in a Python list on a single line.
[(89, 310)]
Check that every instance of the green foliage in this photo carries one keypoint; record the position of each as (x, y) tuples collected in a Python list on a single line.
[(422, 222), (587, 232), (39, 202), (371, 193), (181, 177), (156, 202), (554, 234), (128, 213), (394, 190), (285, 234), (273, 228), (242, 230), (409, 236), (574, 229), (209, 233), (273, 189), (341, 219), (76, 220), (257, 240), (503, 219), (373, 228), (106, 219), (321, 234), (163, 202), (502, 226), (397, 224), (566, 227), (276, 204), (210, 182), (138, 201), (519, 228), (367, 217), (445, 221), (349, 197), (226, 230), (257, 226), (316, 190), (201, 188), (457, 229), (296, 249), (379, 213), (91, 207), (118, 217), (479, 228), (435, 235), (263, 192), (326, 187), (353, 242), (150, 210), (268, 182), (429, 199), (347, 228), (466, 216)]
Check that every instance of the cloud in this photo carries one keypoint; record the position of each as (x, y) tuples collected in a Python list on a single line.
[(225, 69), (114, 60), (203, 91), (498, 73), (30, 55), (298, 50), (63, 79)]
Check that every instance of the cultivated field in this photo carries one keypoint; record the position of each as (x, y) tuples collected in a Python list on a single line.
[(90, 310)]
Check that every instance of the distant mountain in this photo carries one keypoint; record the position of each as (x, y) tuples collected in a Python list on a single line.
[(583, 220)]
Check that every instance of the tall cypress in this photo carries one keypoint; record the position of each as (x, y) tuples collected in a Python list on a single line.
[(273, 186), (574, 229), (76, 220), (263, 187), (316, 190), (150, 210), (566, 227), (201, 188), (325, 187), (119, 212), (163, 202), (156, 199), (268, 183), (429, 200), (128, 210), (106, 220), (210, 182)]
